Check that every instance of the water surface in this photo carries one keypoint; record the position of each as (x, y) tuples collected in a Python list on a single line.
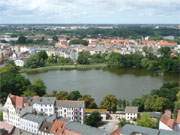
[(125, 84)]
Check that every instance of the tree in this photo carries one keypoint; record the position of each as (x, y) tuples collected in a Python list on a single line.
[(123, 103), (39, 87), (43, 55), (62, 95), (12, 82), (55, 38), (109, 102), (74, 95), (79, 41), (89, 101), (22, 40), (37, 60), (165, 51), (169, 92), (177, 103), (139, 102), (83, 57), (123, 122), (114, 59), (146, 121), (1, 116), (29, 92), (155, 103), (94, 119)]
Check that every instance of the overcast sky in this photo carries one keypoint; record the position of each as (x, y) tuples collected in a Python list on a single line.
[(90, 11)]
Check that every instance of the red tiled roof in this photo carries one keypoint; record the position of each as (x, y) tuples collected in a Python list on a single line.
[(167, 43), (6, 126), (116, 132), (167, 121), (17, 101), (57, 127)]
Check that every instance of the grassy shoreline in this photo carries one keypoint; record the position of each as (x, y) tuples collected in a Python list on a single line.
[(62, 67)]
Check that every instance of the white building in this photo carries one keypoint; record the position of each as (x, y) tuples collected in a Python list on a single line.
[(44, 105), (71, 110), (31, 123), (166, 122), (131, 112), (10, 114), (28, 113)]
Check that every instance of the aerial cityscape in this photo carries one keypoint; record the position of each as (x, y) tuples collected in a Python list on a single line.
[(97, 67)]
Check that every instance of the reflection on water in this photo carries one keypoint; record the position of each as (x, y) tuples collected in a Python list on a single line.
[(124, 83)]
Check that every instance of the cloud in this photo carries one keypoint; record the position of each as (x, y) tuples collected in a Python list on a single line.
[(85, 11)]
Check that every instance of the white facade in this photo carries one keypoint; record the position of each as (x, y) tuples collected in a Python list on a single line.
[(9, 114), (29, 126), (72, 114), (44, 108), (131, 116), (24, 113)]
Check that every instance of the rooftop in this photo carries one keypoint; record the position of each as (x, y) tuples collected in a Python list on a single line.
[(44, 100), (84, 129), (35, 118), (131, 130), (17, 101), (70, 103), (167, 121), (131, 109)]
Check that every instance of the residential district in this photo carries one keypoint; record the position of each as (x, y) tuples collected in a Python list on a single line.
[(48, 116), (20, 52)]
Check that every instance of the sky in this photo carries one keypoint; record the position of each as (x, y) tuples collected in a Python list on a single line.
[(90, 11)]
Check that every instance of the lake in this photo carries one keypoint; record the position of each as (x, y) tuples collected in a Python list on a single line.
[(125, 84)]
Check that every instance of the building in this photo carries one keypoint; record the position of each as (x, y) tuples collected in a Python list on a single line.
[(131, 112), (29, 113), (44, 105), (31, 122), (139, 130), (178, 121), (168, 123), (71, 110)]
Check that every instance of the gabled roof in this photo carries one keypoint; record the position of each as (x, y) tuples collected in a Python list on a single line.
[(17, 101), (46, 126), (131, 109), (116, 132), (58, 126), (70, 104), (167, 43), (44, 100), (85, 129), (167, 121), (34, 118), (167, 132), (132, 130)]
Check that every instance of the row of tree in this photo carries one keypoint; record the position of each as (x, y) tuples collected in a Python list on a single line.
[(164, 63), (166, 97), (41, 59)]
